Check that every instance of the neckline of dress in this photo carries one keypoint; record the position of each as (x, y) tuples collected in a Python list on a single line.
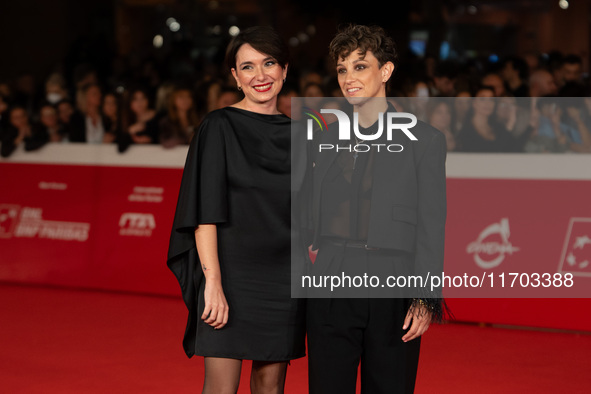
[(258, 113)]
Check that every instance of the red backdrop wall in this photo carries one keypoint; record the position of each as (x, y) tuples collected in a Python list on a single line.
[(85, 216)]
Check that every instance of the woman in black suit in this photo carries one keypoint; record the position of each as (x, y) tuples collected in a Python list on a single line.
[(373, 212)]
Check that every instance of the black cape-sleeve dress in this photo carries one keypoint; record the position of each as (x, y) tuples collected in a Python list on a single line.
[(237, 175)]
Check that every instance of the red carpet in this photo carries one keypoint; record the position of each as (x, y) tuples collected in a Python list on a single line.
[(68, 341)]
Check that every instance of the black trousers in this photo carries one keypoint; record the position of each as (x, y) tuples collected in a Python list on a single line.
[(344, 332)]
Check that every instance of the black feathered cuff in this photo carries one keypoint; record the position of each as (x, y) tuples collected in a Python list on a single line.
[(436, 306)]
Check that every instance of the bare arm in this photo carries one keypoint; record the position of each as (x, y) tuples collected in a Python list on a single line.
[(216, 307)]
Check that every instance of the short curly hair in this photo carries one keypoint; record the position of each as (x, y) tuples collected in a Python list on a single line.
[(364, 38)]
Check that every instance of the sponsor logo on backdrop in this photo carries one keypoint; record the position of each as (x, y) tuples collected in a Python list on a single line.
[(487, 251), (137, 224), (8, 219), (146, 194), (28, 222), (52, 186), (576, 252)]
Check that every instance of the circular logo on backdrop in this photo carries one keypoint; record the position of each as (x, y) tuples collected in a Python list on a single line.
[(492, 245)]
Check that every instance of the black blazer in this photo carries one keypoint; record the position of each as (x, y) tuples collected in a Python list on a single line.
[(76, 129), (38, 138), (408, 202)]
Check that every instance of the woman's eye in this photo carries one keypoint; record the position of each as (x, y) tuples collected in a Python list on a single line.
[(270, 63), (360, 67), (246, 67), (341, 71)]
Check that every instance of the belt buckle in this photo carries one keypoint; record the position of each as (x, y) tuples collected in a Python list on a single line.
[(370, 248)]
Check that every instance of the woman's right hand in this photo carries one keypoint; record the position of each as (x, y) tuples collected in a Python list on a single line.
[(136, 128), (216, 307)]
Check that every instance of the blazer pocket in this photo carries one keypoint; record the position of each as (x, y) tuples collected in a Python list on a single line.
[(405, 214), (403, 228)]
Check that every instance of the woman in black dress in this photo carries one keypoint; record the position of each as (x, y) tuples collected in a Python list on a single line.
[(230, 243)]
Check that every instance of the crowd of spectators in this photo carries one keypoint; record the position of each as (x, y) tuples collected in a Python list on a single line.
[(518, 104)]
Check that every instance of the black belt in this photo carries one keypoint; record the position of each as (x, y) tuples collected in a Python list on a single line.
[(349, 244)]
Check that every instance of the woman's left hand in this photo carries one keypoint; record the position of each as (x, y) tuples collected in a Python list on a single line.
[(420, 316)]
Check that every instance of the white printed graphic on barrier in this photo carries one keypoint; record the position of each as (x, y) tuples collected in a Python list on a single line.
[(52, 185), (491, 253), (30, 224), (8, 219), (137, 224), (146, 194), (576, 251)]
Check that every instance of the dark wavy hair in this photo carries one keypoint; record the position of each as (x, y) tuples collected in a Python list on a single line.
[(364, 38), (262, 38)]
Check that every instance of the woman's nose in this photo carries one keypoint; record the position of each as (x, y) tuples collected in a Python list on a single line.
[(260, 74), (349, 77)]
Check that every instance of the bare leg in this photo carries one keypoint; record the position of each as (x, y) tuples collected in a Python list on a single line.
[(222, 375), (267, 377)]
